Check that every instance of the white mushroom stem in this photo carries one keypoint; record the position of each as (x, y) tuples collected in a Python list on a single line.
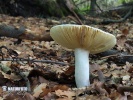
[(82, 67)]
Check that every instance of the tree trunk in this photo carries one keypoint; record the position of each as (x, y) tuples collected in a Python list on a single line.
[(92, 11), (37, 8)]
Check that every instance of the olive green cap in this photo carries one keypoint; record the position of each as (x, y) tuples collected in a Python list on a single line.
[(82, 36)]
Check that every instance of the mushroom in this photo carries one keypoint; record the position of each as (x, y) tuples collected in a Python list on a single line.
[(84, 40)]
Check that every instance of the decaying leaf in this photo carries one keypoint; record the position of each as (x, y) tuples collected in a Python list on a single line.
[(16, 96), (120, 42), (39, 89), (12, 76), (53, 89), (99, 87), (65, 94)]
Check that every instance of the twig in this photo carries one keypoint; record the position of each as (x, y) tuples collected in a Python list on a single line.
[(109, 56), (73, 18), (77, 17), (118, 21), (32, 60), (81, 2), (99, 7), (116, 55), (71, 8), (122, 89)]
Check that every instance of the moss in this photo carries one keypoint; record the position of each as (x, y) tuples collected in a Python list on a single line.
[(51, 8), (54, 9)]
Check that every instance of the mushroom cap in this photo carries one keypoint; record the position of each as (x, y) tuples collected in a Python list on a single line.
[(82, 36)]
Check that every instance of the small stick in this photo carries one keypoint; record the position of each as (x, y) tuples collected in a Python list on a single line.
[(71, 8), (122, 89), (116, 55), (77, 17), (109, 56), (32, 60)]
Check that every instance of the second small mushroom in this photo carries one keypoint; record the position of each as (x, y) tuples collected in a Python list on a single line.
[(84, 40)]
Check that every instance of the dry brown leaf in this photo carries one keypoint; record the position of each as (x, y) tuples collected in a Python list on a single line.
[(6, 63), (114, 94), (126, 80), (12, 76), (52, 89), (45, 92), (127, 66), (39, 89), (18, 52), (94, 67), (93, 97), (70, 70), (130, 70), (125, 31), (1, 98), (1, 91), (120, 97), (42, 80), (129, 46), (61, 87), (99, 87), (15, 77), (68, 95), (16, 96), (120, 42), (103, 67), (49, 96)]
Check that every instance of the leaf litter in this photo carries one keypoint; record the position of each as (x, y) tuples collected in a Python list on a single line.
[(111, 78)]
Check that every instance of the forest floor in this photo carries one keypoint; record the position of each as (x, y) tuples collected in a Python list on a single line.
[(48, 73)]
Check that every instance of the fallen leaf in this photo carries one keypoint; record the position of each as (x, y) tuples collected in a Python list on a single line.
[(16, 96), (66, 94), (125, 31), (39, 89)]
